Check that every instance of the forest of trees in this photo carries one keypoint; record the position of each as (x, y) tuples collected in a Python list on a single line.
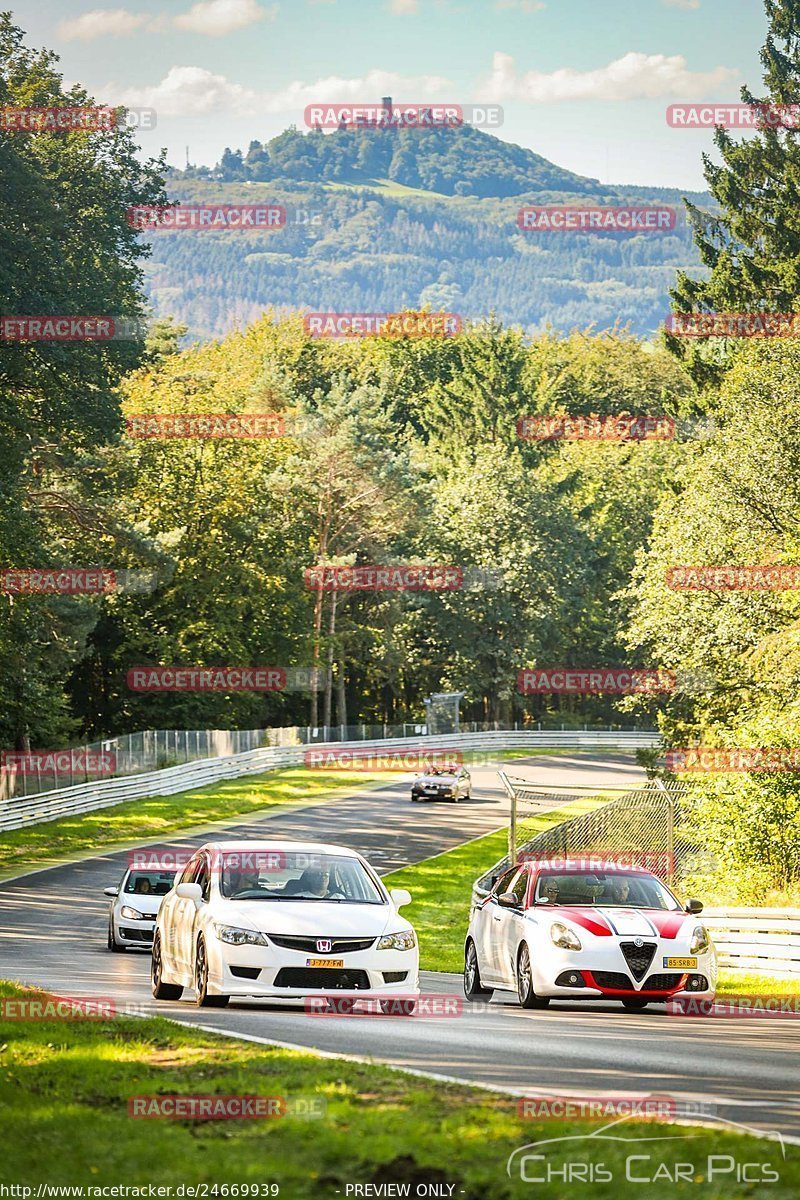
[(401, 450)]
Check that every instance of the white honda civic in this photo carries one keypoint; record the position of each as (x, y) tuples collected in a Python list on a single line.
[(576, 932), (284, 920)]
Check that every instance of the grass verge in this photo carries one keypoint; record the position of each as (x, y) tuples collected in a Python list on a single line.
[(65, 1088), (143, 820)]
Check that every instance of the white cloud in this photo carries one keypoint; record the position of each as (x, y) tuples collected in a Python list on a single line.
[(212, 17), (101, 22), (218, 17), (187, 91), (526, 6), (404, 8), (681, 3), (635, 76)]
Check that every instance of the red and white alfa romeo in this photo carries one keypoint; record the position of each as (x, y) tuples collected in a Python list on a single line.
[(574, 931)]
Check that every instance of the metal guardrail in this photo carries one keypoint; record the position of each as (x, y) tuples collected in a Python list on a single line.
[(88, 797), (756, 939)]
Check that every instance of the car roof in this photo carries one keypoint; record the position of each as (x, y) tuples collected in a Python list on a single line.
[(296, 847)]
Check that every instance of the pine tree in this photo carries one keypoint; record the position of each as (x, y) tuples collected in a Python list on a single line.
[(752, 246)]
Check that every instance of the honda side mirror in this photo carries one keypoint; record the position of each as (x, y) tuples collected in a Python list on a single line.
[(189, 891)]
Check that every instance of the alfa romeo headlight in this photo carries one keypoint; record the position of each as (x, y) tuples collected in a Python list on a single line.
[(700, 940), (563, 937), (240, 937), (398, 941), (132, 914)]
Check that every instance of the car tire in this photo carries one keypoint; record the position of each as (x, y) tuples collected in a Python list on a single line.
[(161, 990), (473, 988), (527, 996), (112, 941), (399, 1008), (634, 1003), (202, 997)]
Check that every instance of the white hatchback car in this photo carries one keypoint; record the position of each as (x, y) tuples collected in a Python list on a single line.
[(133, 908), (284, 920), (576, 932)]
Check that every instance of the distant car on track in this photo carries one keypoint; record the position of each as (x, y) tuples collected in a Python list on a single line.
[(132, 912), (443, 783), (284, 920), (574, 932)]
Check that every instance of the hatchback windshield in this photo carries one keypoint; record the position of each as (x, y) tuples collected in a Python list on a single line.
[(603, 890), (298, 876), (149, 883)]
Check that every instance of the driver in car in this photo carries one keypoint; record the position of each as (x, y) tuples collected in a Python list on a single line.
[(620, 891), (242, 881), (550, 890)]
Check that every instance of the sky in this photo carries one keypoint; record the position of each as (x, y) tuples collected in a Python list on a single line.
[(585, 83)]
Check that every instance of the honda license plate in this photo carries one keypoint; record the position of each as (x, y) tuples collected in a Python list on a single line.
[(680, 964), (324, 962)]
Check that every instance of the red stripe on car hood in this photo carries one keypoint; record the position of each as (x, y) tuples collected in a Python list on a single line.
[(667, 924), (582, 918)]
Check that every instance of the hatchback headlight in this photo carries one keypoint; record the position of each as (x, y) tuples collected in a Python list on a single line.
[(700, 940), (240, 937), (398, 941), (563, 937), (133, 914)]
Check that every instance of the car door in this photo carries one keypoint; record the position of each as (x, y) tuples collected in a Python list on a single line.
[(510, 930), (491, 921), (182, 921), (466, 781)]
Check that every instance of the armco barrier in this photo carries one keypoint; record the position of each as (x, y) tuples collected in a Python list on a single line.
[(87, 797), (756, 939)]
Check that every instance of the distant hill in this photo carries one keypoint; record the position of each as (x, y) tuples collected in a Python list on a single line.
[(378, 220)]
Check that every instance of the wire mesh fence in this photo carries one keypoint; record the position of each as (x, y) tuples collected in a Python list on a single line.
[(643, 826)]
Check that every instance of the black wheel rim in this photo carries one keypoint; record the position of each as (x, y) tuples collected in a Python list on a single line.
[(156, 963)]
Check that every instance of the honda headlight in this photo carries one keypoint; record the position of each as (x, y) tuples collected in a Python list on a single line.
[(132, 914), (563, 937), (700, 940), (398, 941), (240, 937)]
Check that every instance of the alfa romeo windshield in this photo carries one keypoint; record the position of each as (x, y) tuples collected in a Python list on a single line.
[(600, 889)]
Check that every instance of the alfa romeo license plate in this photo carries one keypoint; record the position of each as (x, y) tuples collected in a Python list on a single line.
[(324, 962), (680, 964)]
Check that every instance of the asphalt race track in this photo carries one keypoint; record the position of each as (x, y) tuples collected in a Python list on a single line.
[(53, 932)]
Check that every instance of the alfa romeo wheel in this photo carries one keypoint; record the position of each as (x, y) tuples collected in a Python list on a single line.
[(527, 996), (473, 988)]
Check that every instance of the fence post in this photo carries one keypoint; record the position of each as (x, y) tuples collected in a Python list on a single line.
[(512, 824)]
